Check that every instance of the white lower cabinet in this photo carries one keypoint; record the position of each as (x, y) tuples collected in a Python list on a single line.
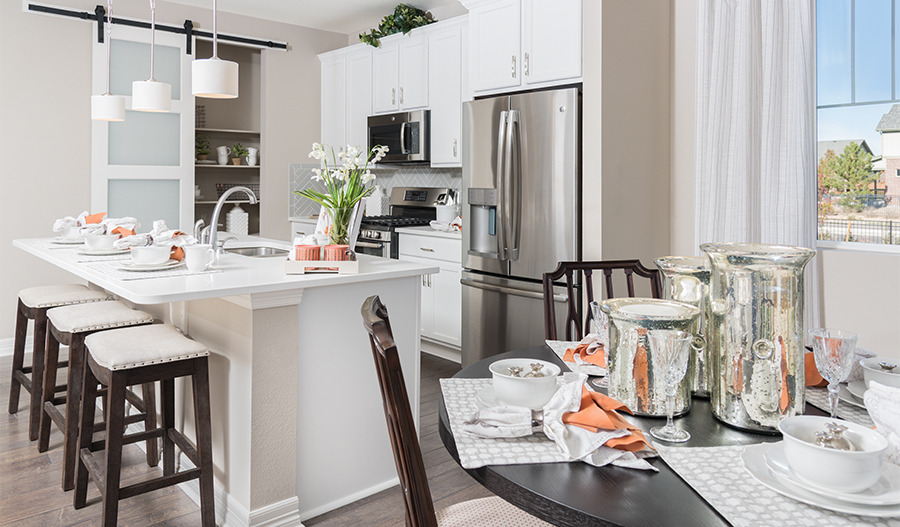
[(441, 316)]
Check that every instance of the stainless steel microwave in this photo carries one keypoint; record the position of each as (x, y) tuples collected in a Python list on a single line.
[(406, 134)]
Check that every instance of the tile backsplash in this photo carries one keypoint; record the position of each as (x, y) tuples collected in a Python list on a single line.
[(399, 176)]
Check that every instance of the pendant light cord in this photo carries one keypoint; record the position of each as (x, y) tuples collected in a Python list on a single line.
[(108, 36), (152, 37), (215, 33)]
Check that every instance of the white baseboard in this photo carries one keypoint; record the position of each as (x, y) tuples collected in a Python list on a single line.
[(440, 350), (346, 500)]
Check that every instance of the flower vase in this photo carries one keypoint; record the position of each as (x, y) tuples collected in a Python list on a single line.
[(339, 232)]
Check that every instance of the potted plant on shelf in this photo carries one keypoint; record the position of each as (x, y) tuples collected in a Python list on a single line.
[(347, 181), (404, 19), (239, 152), (201, 145)]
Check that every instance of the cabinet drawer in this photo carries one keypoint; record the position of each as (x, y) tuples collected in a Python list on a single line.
[(431, 247)]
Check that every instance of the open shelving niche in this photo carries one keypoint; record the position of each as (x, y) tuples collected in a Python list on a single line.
[(230, 121)]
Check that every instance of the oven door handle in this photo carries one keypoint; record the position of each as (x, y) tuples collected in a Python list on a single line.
[(369, 245)]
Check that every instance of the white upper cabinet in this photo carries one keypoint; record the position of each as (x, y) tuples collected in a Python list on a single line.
[(446, 82), (346, 96), (517, 44), (400, 69)]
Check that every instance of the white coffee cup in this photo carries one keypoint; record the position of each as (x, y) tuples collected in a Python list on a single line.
[(101, 242), (150, 255), (198, 257)]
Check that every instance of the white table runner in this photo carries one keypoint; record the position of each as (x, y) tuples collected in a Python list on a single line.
[(718, 474), (818, 397)]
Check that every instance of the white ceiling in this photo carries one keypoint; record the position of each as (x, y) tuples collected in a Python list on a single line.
[(342, 16)]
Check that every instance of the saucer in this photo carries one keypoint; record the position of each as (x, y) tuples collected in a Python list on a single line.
[(857, 389), (487, 398), (131, 266), (845, 396), (67, 241), (754, 458), (102, 252), (885, 491)]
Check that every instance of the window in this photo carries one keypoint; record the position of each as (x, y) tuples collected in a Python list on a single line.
[(858, 110)]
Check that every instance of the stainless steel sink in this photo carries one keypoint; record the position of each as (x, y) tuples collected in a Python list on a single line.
[(258, 252)]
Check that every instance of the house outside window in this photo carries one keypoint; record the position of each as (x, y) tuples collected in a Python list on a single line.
[(858, 111)]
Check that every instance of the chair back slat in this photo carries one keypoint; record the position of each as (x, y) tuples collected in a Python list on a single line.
[(574, 330), (401, 427)]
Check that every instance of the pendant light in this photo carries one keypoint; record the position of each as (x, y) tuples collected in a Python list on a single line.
[(151, 95), (108, 107), (214, 78)]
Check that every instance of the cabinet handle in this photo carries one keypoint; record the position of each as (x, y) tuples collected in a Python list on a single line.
[(393, 95), (454, 148), (514, 66), (423, 280), (525, 66), (401, 95), (429, 280), (426, 249)]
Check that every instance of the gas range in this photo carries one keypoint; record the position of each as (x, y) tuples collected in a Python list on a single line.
[(410, 207)]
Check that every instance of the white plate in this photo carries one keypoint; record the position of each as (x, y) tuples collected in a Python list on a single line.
[(857, 389), (67, 241), (131, 266), (487, 398), (845, 396), (102, 252), (886, 491), (754, 458)]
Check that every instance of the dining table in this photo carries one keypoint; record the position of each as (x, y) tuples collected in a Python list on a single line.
[(579, 494)]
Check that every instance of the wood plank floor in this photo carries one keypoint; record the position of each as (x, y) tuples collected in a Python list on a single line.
[(30, 492)]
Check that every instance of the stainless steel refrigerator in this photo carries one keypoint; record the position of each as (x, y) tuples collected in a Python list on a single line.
[(521, 198)]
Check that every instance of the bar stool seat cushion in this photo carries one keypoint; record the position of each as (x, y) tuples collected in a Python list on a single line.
[(125, 348), (81, 318), (485, 512), (59, 295)]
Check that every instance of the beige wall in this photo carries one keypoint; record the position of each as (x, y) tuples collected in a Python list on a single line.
[(45, 126)]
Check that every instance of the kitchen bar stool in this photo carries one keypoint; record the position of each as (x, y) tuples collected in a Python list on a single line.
[(71, 325), (122, 357), (33, 305)]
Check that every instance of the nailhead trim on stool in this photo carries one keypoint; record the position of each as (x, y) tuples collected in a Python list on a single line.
[(139, 355), (71, 325), (33, 303)]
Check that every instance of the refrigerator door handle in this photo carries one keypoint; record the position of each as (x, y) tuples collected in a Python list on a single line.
[(510, 291), (514, 178), (502, 146)]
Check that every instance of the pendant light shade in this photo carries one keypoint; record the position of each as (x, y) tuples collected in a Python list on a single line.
[(214, 78), (151, 95), (108, 107)]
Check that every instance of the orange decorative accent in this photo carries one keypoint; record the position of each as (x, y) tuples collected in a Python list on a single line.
[(641, 372), (94, 218), (123, 231), (598, 358), (785, 398), (813, 377), (598, 412)]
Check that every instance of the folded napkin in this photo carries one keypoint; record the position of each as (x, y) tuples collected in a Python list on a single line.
[(453, 226), (83, 219), (583, 424), (160, 235), (814, 378), (856, 374), (124, 226), (883, 404), (591, 350)]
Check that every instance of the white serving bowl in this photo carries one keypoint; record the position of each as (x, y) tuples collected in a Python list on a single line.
[(70, 233), (150, 255), (101, 242), (873, 372), (530, 392), (841, 470)]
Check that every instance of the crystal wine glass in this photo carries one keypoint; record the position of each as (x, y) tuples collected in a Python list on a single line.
[(833, 351), (671, 353)]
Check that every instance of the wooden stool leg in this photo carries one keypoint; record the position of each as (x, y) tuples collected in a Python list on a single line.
[(73, 398), (115, 427), (51, 362), (167, 409), (88, 409), (200, 383), (148, 396), (18, 357), (37, 372)]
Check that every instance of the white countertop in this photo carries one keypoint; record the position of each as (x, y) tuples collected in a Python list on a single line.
[(428, 231), (240, 275)]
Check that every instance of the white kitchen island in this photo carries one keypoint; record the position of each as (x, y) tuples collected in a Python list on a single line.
[(297, 420)]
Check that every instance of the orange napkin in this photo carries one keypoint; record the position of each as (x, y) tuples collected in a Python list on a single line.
[(598, 412), (597, 358), (94, 218), (813, 377), (123, 231), (177, 252)]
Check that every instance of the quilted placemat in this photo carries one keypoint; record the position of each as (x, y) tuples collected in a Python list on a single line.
[(718, 474), (818, 397)]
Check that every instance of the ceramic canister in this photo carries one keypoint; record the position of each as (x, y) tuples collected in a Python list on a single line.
[(633, 374)]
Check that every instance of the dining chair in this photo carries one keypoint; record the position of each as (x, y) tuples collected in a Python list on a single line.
[(571, 271), (420, 512)]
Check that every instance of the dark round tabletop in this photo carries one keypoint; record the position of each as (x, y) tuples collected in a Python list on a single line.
[(578, 494)]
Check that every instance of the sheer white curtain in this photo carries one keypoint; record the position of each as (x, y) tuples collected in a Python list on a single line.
[(756, 126)]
